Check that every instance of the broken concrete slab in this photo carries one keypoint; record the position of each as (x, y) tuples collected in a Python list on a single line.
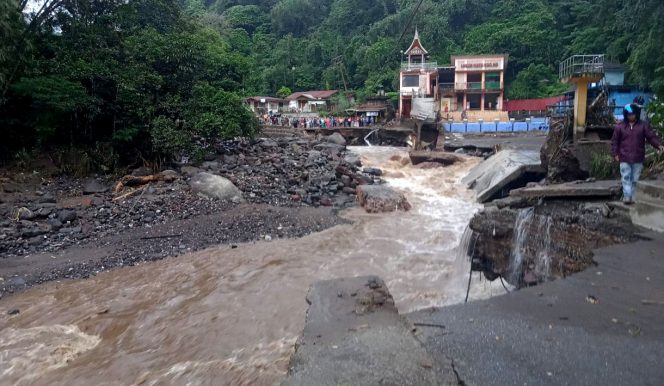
[(420, 156), (381, 199), (649, 209), (355, 336), (501, 169), (599, 189)]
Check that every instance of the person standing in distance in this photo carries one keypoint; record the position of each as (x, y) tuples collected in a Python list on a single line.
[(628, 147)]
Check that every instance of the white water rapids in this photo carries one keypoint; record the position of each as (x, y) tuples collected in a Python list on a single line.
[(231, 316)]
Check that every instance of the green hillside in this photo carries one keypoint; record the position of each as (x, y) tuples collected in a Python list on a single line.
[(141, 78)]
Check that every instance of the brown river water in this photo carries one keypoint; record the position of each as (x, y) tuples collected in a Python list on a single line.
[(231, 316)]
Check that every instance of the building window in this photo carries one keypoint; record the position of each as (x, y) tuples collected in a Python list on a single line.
[(411, 81), (474, 81), (492, 80)]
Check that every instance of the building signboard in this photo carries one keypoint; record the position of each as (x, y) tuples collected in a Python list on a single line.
[(487, 64)]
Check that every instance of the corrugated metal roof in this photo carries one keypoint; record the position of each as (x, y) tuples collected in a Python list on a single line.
[(267, 99), (322, 94)]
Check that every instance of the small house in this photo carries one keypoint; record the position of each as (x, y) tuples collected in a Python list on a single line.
[(262, 105), (312, 101)]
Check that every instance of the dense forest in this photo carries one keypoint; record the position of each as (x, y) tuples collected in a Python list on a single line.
[(125, 80)]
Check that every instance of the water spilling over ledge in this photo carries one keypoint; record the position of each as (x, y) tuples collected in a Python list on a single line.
[(533, 244)]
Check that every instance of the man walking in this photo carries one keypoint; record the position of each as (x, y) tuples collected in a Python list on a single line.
[(628, 148)]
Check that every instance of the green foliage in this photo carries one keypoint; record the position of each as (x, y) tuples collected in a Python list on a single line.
[(284, 92), (154, 76), (213, 113), (523, 29), (603, 166), (140, 75), (341, 101), (10, 30), (656, 114), (168, 137), (247, 17), (296, 17), (536, 81)]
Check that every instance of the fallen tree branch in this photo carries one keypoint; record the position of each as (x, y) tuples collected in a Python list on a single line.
[(133, 181), (129, 194)]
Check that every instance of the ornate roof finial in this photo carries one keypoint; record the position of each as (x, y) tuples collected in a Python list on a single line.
[(416, 46)]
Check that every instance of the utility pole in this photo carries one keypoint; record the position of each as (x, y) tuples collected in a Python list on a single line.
[(340, 62)]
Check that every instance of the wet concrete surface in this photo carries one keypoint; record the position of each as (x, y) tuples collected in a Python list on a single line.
[(604, 326), (594, 189), (355, 336), (500, 170)]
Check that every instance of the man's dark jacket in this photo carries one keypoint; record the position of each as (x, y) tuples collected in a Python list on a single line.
[(629, 143)]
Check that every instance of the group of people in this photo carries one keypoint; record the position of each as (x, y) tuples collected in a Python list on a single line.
[(319, 122)]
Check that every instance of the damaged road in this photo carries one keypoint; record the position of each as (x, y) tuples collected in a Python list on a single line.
[(603, 326)]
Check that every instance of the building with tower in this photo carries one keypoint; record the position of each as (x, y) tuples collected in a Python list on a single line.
[(471, 87)]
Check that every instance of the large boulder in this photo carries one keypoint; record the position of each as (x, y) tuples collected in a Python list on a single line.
[(216, 187), (93, 186), (381, 199), (336, 138), (190, 171)]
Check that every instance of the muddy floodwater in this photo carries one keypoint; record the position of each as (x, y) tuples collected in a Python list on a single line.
[(232, 316)]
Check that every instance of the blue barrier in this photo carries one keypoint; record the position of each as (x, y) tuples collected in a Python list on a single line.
[(541, 124), (520, 126), (473, 127)]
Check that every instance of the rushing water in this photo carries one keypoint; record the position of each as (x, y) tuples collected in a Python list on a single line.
[(536, 235), (231, 316)]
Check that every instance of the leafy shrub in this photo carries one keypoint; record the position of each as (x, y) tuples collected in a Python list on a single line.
[(603, 166), (167, 137)]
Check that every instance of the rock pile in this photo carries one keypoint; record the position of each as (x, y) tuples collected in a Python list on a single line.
[(288, 172)]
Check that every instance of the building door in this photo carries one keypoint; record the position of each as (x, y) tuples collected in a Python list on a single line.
[(406, 107)]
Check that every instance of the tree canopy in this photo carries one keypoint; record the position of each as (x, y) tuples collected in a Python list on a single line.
[(151, 77)]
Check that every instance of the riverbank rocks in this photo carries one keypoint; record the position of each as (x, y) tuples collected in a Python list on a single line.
[(381, 199), (216, 187), (283, 172)]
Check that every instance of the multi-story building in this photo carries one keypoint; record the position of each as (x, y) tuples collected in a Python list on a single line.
[(473, 84), (479, 82), (418, 82)]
